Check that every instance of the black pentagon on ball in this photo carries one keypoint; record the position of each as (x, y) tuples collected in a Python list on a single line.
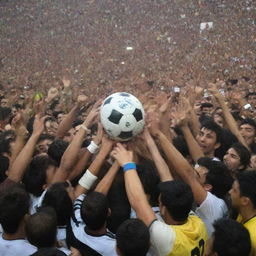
[(138, 114), (125, 135), (107, 101), (124, 94), (115, 116)]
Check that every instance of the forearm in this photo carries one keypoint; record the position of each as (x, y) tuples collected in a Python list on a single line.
[(22, 161), (18, 145), (194, 149), (230, 121), (105, 184), (179, 163), (67, 122), (79, 167), (137, 197), (162, 167), (194, 123)]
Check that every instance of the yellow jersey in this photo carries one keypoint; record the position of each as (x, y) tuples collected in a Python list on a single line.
[(250, 225), (190, 239)]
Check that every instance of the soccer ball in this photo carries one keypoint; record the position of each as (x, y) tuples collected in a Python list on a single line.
[(122, 116)]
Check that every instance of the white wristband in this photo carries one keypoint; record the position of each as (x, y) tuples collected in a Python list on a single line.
[(93, 147), (87, 180)]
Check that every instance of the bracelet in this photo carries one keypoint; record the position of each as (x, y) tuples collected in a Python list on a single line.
[(129, 166), (84, 127), (87, 180), (93, 147)]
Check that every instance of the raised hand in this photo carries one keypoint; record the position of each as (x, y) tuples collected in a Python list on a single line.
[(122, 155), (52, 93)]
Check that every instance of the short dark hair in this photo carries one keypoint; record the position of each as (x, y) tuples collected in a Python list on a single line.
[(231, 238), (41, 229), (247, 185), (132, 238), (36, 175), (206, 105), (45, 136), (57, 197), (249, 121), (217, 169), (14, 205), (177, 197), (243, 153), (5, 113), (149, 179), (57, 149), (94, 210), (212, 126), (48, 252)]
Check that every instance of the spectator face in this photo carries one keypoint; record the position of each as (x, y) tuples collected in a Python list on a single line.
[(252, 100), (235, 194), (253, 163), (4, 103), (248, 133), (207, 111), (51, 127), (42, 146), (232, 160), (207, 141), (201, 172), (218, 120), (60, 117)]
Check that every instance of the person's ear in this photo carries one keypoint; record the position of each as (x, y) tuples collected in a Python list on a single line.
[(208, 187), (217, 145)]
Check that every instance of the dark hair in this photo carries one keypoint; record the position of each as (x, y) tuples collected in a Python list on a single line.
[(247, 185), (231, 238), (132, 238), (48, 252), (6, 138), (243, 153), (212, 126), (177, 197), (94, 210), (249, 121), (14, 205), (57, 197), (54, 104), (41, 229), (226, 143), (149, 179), (36, 175), (45, 136), (206, 105), (250, 94), (217, 169), (77, 122), (118, 203), (57, 149), (5, 113), (180, 144), (4, 166)]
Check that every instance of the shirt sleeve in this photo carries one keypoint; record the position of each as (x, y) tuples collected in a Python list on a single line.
[(162, 237)]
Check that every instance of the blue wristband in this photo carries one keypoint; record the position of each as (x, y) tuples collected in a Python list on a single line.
[(129, 166)]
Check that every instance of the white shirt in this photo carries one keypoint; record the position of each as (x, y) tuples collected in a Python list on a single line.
[(18, 247), (103, 245), (211, 209)]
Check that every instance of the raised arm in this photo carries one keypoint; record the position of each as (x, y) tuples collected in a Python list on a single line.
[(90, 176), (231, 123), (70, 155), (162, 167), (182, 167), (106, 183), (134, 189), (22, 161), (66, 123)]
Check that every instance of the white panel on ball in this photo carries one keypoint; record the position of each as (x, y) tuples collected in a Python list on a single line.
[(122, 116)]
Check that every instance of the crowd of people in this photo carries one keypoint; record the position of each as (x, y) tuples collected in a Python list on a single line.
[(185, 186)]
